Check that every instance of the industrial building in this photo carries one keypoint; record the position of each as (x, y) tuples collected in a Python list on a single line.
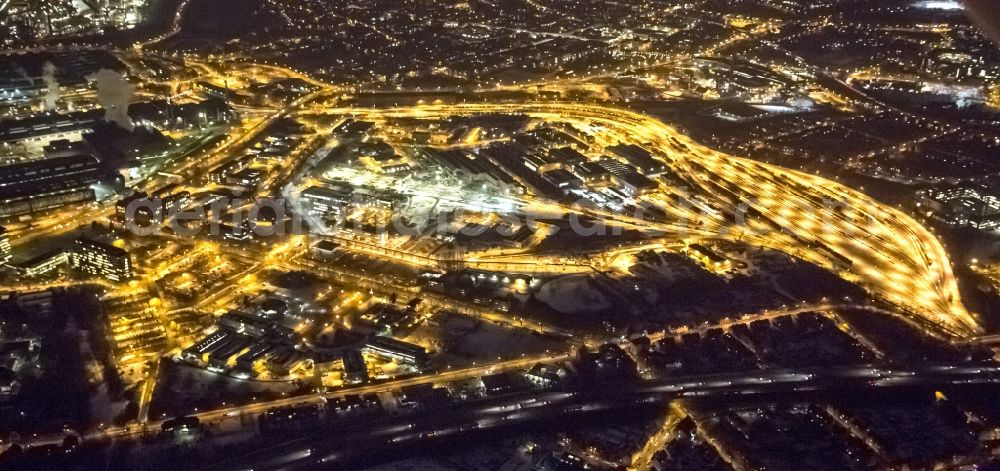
[(38, 185), (355, 369)]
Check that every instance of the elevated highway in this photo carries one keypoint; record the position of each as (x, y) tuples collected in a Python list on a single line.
[(368, 442)]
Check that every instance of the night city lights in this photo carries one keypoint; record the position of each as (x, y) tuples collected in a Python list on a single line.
[(500, 235)]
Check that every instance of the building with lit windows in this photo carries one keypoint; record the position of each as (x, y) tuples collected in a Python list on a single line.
[(397, 350), (44, 263), (324, 202), (102, 260), (962, 206)]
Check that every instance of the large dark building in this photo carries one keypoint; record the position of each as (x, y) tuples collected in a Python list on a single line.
[(120, 148), (355, 369), (42, 184)]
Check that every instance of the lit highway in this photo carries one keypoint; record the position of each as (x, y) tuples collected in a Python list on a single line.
[(230, 417), (368, 440)]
